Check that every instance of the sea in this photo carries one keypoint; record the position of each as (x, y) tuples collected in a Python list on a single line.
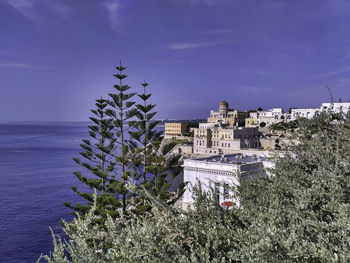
[(36, 172)]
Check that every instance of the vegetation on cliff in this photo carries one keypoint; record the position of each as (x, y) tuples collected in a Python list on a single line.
[(301, 214)]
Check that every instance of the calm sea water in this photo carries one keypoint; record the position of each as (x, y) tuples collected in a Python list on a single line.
[(36, 172)]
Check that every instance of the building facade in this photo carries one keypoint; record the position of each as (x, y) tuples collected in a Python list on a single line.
[(268, 117), (202, 138), (173, 129), (221, 174), (308, 113), (336, 107), (227, 116), (218, 140)]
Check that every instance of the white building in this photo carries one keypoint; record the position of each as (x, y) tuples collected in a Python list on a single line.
[(336, 107), (220, 173), (308, 113), (207, 125), (271, 113), (268, 117)]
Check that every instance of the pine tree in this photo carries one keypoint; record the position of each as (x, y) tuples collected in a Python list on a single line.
[(97, 160), (145, 136), (151, 155), (122, 111)]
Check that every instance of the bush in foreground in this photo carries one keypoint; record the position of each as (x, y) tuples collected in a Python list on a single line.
[(301, 214)]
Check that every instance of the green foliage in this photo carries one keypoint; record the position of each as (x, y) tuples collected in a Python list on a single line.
[(123, 139), (192, 124), (145, 136), (121, 112), (96, 160), (285, 126), (150, 155), (262, 124)]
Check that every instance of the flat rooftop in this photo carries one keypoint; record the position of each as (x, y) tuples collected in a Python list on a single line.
[(236, 158)]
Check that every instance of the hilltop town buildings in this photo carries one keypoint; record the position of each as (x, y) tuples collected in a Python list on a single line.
[(275, 115), (222, 133), (232, 151)]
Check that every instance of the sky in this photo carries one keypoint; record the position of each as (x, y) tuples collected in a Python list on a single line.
[(58, 56)]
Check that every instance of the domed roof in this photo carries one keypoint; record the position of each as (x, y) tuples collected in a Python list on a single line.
[(223, 105)]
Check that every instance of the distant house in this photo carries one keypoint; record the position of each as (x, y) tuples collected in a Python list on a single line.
[(308, 113), (268, 117), (173, 129), (336, 107)]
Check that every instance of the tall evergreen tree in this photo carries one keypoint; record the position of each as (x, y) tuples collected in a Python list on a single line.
[(97, 160), (122, 111), (145, 133), (151, 155)]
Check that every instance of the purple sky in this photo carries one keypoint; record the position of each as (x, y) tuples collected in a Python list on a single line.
[(57, 56)]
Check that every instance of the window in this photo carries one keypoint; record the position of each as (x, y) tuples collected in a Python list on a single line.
[(226, 193), (217, 192)]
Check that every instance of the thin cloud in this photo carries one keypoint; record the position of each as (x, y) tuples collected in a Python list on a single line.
[(186, 104), (218, 31), (4, 52), (347, 53), (27, 8), (20, 65), (332, 73), (206, 2), (113, 9), (24, 7), (60, 10), (265, 73), (166, 61), (192, 45)]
